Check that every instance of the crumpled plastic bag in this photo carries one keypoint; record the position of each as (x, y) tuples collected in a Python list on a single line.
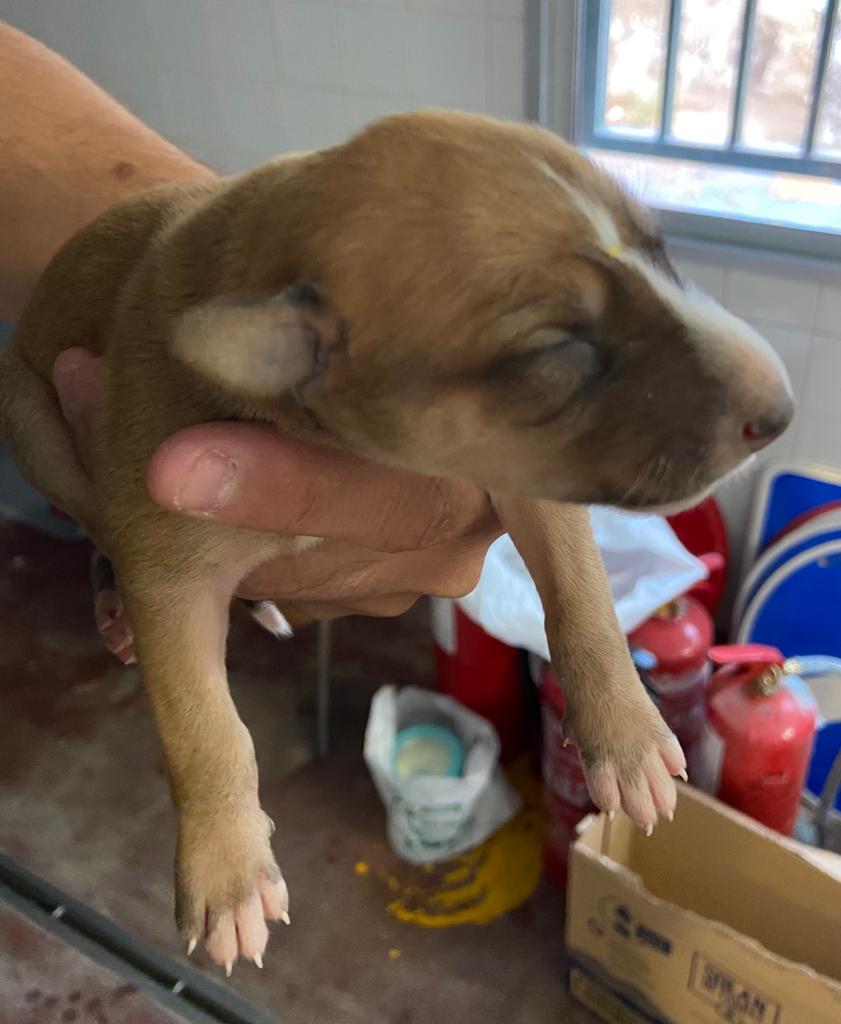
[(432, 818), (646, 566)]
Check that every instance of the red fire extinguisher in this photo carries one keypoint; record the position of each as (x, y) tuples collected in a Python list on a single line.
[(759, 734), (480, 672), (678, 637), (565, 795)]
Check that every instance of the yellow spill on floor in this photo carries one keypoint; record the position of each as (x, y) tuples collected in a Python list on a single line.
[(482, 884)]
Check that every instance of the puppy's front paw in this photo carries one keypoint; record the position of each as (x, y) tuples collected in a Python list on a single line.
[(629, 759), (228, 885)]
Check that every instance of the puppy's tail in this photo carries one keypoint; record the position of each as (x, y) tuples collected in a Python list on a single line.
[(33, 426)]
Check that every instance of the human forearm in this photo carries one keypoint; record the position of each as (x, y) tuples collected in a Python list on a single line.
[(67, 151)]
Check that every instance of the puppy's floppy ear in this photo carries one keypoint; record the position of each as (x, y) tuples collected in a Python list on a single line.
[(261, 349)]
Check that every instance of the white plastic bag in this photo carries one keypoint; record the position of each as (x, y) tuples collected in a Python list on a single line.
[(432, 818), (646, 566)]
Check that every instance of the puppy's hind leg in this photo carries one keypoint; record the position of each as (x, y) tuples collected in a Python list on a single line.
[(177, 580), (114, 627), (268, 615), (109, 612)]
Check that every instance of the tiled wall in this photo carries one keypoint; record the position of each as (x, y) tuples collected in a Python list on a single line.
[(235, 81), (796, 305)]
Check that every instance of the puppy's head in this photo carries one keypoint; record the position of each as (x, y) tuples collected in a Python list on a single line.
[(483, 302)]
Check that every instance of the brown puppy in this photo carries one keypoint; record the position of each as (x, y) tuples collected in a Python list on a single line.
[(445, 293)]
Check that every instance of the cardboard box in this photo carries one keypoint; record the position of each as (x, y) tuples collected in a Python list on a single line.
[(713, 919)]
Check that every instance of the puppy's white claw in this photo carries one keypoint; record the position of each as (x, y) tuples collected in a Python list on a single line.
[(285, 918), (258, 960), (191, 945), (566, 741), (611, 815), (682, 775), (649, 831), (229, 966), (270, 618)]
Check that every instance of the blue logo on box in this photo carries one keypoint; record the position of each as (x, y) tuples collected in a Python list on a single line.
[(619, 919)]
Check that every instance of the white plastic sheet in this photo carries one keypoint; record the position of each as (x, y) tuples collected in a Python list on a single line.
[(432, 818), (646, 566)]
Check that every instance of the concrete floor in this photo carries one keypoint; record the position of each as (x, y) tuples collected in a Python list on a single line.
[(83, 803)]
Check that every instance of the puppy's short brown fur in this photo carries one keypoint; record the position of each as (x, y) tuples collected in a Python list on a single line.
[(446, 293)]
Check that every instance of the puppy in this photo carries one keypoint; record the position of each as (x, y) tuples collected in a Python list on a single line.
[(446, 293)]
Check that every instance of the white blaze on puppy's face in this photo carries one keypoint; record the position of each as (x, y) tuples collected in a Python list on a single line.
[(604, 227)]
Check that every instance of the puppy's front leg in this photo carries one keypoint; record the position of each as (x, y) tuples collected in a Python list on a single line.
[(627, 751), (226, 878)]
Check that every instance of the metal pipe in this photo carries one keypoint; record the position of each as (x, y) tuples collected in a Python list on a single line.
[(672, 49), (821, 68), (741, 91)]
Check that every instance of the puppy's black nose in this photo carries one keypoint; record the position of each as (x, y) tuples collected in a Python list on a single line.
[(764, 429)]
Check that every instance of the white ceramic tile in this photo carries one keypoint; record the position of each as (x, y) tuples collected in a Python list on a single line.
[(375, 50), (214, 152), (506, 9), (68, 28), (708, 277), (395, 5), (307, 38), (505, 68), (770, 297), (819, 440), (252, 116), (313, 119), (829, 310), (235, 161), (822, 393), (25, 15), (448, 60), (190, 107), (121, 32), (179, 39), (793, 348), (447, 6), (362, 110), (240, 38), (734, 496), (135, 87)]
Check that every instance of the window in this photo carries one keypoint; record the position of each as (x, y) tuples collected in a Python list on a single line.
[(725, 114)]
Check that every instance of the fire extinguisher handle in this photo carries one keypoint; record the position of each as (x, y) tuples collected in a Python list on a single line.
[(714, 561), (813, 665), (745, 654)]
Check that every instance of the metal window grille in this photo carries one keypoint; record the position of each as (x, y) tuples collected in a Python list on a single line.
[(592, 131)]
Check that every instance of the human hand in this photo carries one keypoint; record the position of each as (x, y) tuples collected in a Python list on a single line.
[(391, 536)]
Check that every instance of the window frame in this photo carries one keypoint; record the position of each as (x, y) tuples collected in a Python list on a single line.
[(563, 38)]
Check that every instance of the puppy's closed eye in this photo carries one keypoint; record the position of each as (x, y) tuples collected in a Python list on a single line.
[(556, 367)]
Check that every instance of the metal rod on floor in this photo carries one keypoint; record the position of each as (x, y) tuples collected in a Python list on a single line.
[(324, 647), (184, 991)]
